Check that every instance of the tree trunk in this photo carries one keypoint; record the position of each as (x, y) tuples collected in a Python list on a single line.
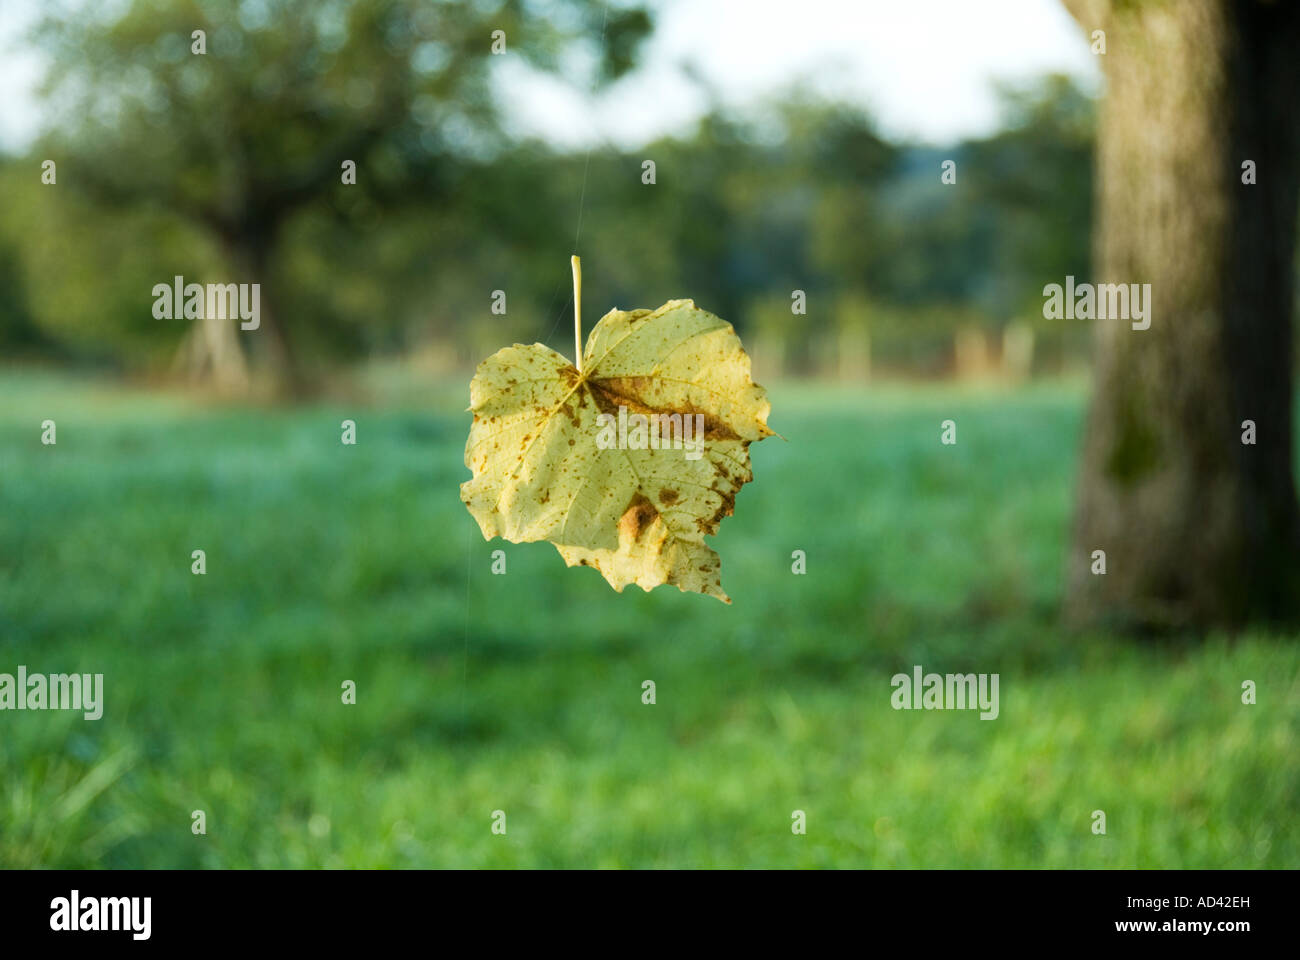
[(211, 352), (249, 254), (1017, 351), (1198, 527), (970, 352)]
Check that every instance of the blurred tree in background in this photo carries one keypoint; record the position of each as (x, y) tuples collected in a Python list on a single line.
[(247, 141)]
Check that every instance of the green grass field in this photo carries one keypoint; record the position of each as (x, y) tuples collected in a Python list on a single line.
[(522, 692)]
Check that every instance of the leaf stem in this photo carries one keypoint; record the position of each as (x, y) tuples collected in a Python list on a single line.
[(577, 310)]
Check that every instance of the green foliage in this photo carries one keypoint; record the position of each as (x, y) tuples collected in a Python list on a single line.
[(87, 275), (328, 563), (1036, 179)]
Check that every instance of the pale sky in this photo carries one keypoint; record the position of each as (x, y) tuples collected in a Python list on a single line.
[(923, 67)]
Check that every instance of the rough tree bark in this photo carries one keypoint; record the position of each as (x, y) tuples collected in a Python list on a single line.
[(1199, 529)]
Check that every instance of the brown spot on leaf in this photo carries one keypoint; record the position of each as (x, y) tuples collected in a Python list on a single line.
[(640, 513), (725, 509), (667, 497), (610, 393)]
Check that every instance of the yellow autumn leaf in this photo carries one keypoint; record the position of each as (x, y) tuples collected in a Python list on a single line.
[(634, 503)]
